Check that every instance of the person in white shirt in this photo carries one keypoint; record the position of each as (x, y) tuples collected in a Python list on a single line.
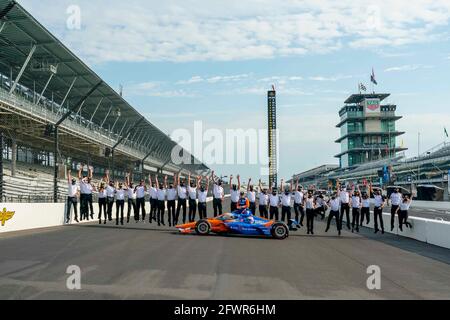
[(192, 192), (182, 196), (395, 200), (120, 202), (171, 204), (251, 196), (140, 190), (72, 197), (356, 208), (110, 193), (344, 197), (334, 203), (299, 204), (310, 206), (131, 198), (234, 192), (274, 203), (380, 202), (263, 200), (218, 195), (365, 209), (321, 206), (153, 193), (161, 194), (286, 203), (86, 189), (102, 202), (402, 213), (202, 195)]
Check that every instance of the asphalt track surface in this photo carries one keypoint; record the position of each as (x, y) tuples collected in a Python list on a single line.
[(143, 261)]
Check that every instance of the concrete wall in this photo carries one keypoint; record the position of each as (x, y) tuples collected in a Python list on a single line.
[(426, 230), (43, 215)]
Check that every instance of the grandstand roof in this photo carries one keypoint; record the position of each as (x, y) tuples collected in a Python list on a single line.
[(20, 32)]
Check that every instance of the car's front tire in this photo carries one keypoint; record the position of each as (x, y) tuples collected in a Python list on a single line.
[(280, 231), (203, 227)]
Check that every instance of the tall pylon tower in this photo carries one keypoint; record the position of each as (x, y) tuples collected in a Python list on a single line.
[(272, 125)]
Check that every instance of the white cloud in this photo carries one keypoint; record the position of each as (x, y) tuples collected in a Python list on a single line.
[(138, 30), (156, 89), (332, 78), (408, 67)]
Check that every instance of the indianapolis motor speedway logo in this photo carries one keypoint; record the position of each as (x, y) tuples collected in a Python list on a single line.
[(5, 215)]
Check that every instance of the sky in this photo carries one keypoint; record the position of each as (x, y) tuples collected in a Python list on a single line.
[(213, 61)]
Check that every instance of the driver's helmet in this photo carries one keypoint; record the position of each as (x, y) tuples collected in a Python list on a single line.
[(250, 219)]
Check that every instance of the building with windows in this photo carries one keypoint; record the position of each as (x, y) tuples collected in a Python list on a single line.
[(368, 130)]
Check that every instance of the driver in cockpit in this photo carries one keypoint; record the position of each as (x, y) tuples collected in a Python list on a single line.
[(242, 207)]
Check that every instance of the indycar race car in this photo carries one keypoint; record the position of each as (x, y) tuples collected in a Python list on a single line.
[(239, 222)]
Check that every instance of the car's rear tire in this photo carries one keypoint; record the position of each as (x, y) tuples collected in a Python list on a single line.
[(203, 227), (280, 231)]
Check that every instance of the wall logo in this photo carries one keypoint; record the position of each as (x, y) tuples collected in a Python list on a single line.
[(373, 104), (5, 215)]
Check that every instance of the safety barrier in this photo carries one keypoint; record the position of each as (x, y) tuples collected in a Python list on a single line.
[(28, 216), (426, 230)]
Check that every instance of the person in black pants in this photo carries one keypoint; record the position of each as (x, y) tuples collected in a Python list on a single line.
[(218, 195), (365, 209), (102, 202), (182, 196), (334, 213), (380, 202), (356, 210), (263, 200), (161, 194), (310, 213), (299, 204), (202, 195), (131, 198), (344, 197), (402, 212), (192, 192), (171, 204), (140, 200), (120, 202), (72, 197), (395, 200), (274, 203)]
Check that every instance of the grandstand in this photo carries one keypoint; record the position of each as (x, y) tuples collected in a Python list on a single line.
[(430, 168), (55, 112)]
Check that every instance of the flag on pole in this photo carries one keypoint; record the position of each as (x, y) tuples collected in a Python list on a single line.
[(446, 132), (362, 87), (372, 77)]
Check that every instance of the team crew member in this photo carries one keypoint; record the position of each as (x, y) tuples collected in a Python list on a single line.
[(182, 195), (131, 195), (396, 200), (234, 192), (102, 202), (153, 192), (356, 209), (140, 200), (378, 209), (218, 195), (161, 194), (72, 197), (321, 206), (192, 191), (202, 195), (120, 202), (251, 196), (365, 210), (286, 204), (263, 198), (274, 202), (344, 197), (171, 200), (298, 204), (85, 193), (310, 206), (334, 204), (110, 192), (402, 212)]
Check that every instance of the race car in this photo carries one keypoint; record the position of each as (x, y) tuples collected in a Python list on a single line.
[(238, 222)]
